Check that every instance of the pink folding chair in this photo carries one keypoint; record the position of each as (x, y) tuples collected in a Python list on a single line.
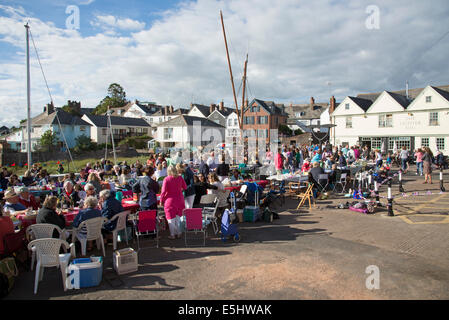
[(146, 225), (127, 194), (194, 222)]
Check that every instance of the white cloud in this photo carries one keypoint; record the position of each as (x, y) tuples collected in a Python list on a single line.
[(295, 48), (110, 22)]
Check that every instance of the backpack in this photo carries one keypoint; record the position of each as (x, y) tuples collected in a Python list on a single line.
[(4, 286), (8, 268)]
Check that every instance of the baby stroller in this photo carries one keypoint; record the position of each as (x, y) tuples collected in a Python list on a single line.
[(229, 229)]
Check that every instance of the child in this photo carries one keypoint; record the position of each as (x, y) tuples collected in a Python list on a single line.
[(389, 160)]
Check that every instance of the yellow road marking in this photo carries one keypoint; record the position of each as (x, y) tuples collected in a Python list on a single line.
[(407, 220)]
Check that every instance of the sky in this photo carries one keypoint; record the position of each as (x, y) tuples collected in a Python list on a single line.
[(172, 52)]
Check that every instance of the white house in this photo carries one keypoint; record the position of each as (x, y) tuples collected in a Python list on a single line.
[(232, 126), (186, 131), (413, 119), (122, 127)]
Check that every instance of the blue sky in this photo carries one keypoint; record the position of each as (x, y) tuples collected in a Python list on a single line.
[(172, 52)]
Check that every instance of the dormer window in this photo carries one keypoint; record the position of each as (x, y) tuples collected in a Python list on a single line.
[(428, 99)]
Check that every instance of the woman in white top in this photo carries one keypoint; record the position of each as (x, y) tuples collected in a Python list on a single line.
[(160, 172), (124, 177), (213, 180)]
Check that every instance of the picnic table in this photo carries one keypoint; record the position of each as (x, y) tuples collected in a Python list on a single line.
[(234, 188)]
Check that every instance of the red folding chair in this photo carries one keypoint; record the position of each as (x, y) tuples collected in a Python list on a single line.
[(146, 225), (194, 222), (127, 194)]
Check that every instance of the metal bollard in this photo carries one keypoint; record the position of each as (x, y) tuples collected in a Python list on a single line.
[(390, 200), (441, 180), (370, 182), (401, 189), (376, 191)]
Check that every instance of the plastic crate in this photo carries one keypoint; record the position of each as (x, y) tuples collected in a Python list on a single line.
[(85, 272), (251, 214), (125, 261)]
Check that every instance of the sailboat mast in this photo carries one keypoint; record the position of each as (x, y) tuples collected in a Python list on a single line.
[(230, 71), (28, 97), (244, 89)]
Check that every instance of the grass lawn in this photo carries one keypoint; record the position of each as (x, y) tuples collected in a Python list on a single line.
[(52, 166)]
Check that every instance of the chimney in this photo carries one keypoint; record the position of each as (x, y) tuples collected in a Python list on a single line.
[(166, 110), (221, 106), (212, 108), (312, 102), (246, 103), (171, 109), (49, 108), (332, 105)]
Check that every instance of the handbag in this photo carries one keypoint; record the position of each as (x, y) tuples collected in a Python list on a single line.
[(9, 268)]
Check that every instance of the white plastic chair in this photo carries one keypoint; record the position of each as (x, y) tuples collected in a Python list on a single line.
[(47, 253), (209, 213), (93, 227), (121, 225), (40, 231)]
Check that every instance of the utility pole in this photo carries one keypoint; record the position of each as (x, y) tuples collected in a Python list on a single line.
[(27, 27)]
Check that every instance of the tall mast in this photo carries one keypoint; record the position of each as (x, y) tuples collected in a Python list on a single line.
[(28, 97), (244, 89), (230, 71)]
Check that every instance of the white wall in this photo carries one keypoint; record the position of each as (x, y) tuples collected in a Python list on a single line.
[(411, 122), (195, 112)]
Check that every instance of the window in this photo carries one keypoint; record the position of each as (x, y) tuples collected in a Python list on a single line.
[(347, 106), (168, 133), (160, 119), (151, 120), (229, 122), (424, 142), (235, 122), (428, 99), (440, 144), (433, 119), (348, 122), (400, 142), (376, 143), (385, 120), (103, 131), (249, 120), (297, 114), (262, 120)]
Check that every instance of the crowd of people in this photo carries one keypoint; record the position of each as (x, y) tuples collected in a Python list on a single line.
[(179, 184)]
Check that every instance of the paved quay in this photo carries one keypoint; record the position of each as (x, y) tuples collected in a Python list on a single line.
[(318, 254)]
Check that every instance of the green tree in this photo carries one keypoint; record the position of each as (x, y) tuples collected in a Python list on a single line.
[(285, 130), (72, 111), (116, 98), (48, 140), (84, 143)]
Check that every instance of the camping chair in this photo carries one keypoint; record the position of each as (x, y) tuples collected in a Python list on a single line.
[(47, 253), (293, 188), (194, 222), (121, 218), (343, 181), (146, 225), (41, 231), (307, 195), (210, 213), (90, 230), (323, 181)]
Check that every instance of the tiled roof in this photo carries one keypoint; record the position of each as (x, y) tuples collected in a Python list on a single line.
[(102, 121), (64, 118), (269, 106), (362, 103)]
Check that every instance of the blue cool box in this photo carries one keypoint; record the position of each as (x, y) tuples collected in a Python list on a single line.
[(86, 272)]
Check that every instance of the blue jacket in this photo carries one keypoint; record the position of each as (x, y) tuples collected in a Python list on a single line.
[(148, 188), (85, 214), (110, 208)]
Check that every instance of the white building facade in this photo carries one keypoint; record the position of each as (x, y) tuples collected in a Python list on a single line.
[(413, 123)]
